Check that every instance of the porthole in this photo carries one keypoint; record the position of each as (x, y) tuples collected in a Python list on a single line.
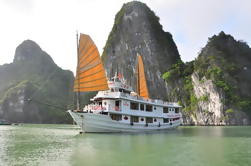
[(125, 118)]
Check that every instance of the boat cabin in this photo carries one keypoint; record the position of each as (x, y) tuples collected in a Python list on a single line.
[(121, 104)]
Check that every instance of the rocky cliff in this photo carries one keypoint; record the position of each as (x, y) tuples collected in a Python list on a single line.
[(137, 30), (215, 88), (33, 88)]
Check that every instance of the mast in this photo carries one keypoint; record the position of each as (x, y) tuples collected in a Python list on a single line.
[(78, 92)]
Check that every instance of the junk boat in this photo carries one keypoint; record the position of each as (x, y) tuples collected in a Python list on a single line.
[(116, 107)]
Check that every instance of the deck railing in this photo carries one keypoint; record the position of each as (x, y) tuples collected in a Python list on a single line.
[(121, 94)]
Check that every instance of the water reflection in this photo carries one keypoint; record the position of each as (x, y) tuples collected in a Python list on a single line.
[(62, 145), (185, 146), (4, 134), (35, 145)]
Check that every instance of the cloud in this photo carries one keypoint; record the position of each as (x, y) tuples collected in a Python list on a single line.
[(24, 6)]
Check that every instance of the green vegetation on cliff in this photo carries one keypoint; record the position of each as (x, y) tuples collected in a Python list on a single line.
[(227, 63)]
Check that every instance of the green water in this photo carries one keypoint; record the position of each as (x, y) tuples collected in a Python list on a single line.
[(186, 146)]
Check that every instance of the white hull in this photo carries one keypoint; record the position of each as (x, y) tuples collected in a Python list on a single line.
[(98, 123)]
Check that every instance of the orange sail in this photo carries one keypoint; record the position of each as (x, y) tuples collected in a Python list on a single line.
[(90, 75), (142, 89)]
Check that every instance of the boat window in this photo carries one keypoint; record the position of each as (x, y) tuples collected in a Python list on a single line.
[(116, 117), (134, 106), (165, 110), (149, 120), (100, 103), (176, 110), (149, 108), (166, 120), (120, 90), (142, 107), (117, 103), (104, 113), (170, 109), (134, 119), (127, 92)]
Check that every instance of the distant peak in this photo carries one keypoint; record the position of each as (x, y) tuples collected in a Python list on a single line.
[(135, 6), (224, 45), (30, 42), (135, 3), (222, 33), (221, 36), (134, 12), (27, 50)]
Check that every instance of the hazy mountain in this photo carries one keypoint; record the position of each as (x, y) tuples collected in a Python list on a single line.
[(33, 88)]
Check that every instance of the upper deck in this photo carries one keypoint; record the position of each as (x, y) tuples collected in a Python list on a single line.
[(121, 95), (119, 90), (119, 85)]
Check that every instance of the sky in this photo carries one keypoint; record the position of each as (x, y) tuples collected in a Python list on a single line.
[(52, 24)]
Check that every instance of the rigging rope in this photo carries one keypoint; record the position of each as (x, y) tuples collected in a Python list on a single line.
[(55, 106), (41, 87)]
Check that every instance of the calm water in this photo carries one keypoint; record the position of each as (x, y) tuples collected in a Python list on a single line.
[(185, 146)]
